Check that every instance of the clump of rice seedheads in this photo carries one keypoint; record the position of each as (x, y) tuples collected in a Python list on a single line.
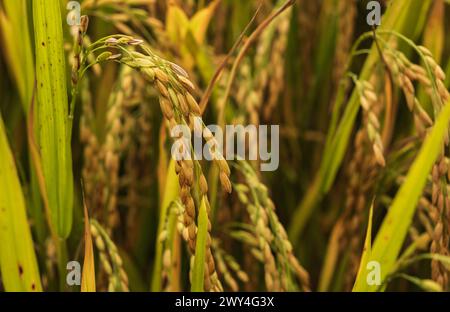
[(439, 215), (186, 175), (109, 258), (178, 107), (261, 81), (211, 280), (175, 90), (404, 74), (111, 154), (228, 266), (369, 101), (438, 77), (268, 76), (275, 250), (246, 96), (102, 160), (136, 144), (129, 17), (276, 62), (346, 24), (307, 25), (91, 150)]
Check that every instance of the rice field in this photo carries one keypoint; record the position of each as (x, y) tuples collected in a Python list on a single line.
[(112, 178)]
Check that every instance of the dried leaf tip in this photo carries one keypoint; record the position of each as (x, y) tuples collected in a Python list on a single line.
[(84, 23)]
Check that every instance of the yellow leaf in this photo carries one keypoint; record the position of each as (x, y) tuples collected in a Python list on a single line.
[(18, 263), (177, 23), (88, 275), (367, 251), (13, 25), (200, 22), (434, 32)]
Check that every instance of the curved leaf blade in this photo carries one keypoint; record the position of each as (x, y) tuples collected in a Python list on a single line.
[(18, 264)]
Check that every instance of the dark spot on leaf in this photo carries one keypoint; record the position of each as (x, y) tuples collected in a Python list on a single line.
[(43, 43), (33, 286), (20, 270)]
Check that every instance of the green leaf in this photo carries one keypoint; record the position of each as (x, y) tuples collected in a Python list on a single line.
[(367, 251), (198, 270), (53, 123), (171, 193), (394, 228), (13, 25), (447, 73), (18, 264)]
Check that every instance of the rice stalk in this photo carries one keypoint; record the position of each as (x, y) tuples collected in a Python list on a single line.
[(166, 228)]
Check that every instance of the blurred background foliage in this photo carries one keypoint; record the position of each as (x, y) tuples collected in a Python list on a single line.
[(303, 72)]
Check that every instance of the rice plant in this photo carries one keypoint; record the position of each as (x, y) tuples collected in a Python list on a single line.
[(92, 197)]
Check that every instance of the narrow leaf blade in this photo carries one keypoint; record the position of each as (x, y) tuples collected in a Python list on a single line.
[(18, 264), (88, 275), (54, 132)]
